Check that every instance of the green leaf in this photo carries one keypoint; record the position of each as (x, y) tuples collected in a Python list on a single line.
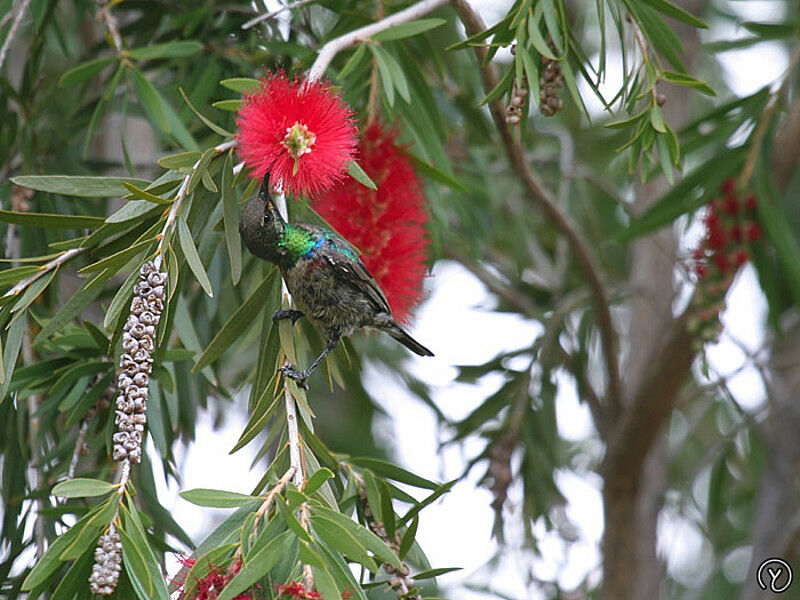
[(210, 124), (133, 210), (228, 105), (237, 324), (230, 216), (82, 488), (664, 157), (145, 195), (357, 173), (192, 257), (50, 221), (85, 71), (408, 538), (316, 480), (387, 469), (386, 72), (688, 81), (409, 29), (325, 582), (85, 187), (176, 49), (180, 160), (657, 119), (435, 573), (258, 565), (151, 100), (353, 62), (136, 566), (365, 537), (676, 12), (241, 84), (338, 537), (216, 498)]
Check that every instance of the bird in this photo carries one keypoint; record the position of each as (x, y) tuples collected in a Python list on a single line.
[(330, 286)]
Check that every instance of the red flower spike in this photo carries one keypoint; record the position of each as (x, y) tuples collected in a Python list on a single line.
[(753, 232), (750, 202), (728, 186), (297, 590), (741, 257), (731, 205), (716, 237), (736, 233), (301, 132), (722, 262), (387, 225)]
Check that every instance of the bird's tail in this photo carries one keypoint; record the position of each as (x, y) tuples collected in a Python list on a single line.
[(401, 336)]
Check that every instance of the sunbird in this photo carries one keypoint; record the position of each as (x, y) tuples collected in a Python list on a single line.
[(330, 286)]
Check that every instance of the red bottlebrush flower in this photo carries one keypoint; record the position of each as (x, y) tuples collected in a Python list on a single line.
[(212, 584), (387, 225), (731, 205), (299, 131), (753, 232), (297, 590), (741, 257), (750, 202), (716, 237), (728, 186), (736, 233), (722, 262)]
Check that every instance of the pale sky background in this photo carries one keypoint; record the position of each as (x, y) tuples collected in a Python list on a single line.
[(456, 530)]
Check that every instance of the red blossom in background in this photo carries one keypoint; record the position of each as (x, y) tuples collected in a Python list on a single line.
[(212, 584), (300, 132), (730, 228), (387, 225)]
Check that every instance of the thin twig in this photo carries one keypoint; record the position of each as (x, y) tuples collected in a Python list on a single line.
[(270, 15), (336, 45), (516, 155), (76, 453), (45, 268), (21, 9), (274, 492), (110, 21), (180, 197)]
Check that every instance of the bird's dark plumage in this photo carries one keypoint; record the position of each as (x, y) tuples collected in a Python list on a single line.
[(328, 282)]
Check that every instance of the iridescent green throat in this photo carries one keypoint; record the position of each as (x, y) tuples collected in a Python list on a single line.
[(297, 242)]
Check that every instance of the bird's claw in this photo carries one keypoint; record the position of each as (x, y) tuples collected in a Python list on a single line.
[(299, 376)]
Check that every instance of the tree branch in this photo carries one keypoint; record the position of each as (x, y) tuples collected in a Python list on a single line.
[(516, 155), (362, 34), (21, 9), (270, 15)]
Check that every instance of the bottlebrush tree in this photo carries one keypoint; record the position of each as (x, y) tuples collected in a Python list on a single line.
[(546, 152)]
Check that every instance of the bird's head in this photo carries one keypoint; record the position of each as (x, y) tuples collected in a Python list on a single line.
[(262, 225)]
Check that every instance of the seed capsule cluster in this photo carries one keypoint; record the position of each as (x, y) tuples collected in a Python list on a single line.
[(401, 582), (107, 563), (731, 228), (136, 362), (551, 81), (514, 108)]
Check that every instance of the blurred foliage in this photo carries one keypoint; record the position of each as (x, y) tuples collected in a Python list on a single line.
[(70, 100)]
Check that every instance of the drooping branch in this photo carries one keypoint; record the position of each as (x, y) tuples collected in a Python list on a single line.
[(541, 197), (362, 34)]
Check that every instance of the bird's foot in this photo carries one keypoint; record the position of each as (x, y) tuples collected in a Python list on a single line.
[(299, 376), (287, 313)]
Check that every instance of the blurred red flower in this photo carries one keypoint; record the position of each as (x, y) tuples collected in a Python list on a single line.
[(387, 225), (299, 131)]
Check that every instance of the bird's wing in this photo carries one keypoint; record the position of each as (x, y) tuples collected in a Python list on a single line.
[(349, 267)]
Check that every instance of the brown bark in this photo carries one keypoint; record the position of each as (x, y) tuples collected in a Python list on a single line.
[(658, 359)]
